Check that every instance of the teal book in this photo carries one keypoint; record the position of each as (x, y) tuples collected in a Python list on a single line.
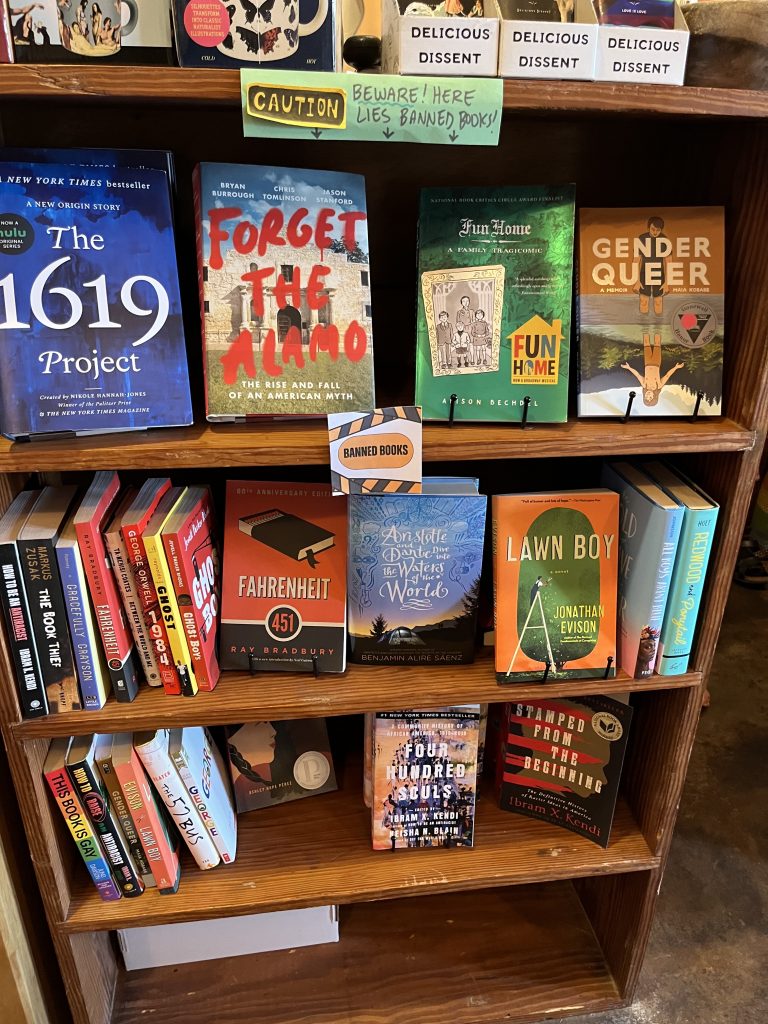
[(650, 529), (494, 302), (689, 573)]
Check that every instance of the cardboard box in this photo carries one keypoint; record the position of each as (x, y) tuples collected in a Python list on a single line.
[(462, 47), (549, 49), (653, 55)]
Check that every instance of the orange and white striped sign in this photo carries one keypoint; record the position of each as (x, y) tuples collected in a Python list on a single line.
[(377, 452)]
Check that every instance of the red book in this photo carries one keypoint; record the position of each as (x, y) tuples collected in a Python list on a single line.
[(193, 560), (132, 527), (90, 520), (7, 55)]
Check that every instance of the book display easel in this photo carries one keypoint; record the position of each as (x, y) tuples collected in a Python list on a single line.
[(423, 934)]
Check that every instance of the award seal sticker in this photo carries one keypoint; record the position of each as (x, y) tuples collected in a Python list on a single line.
[(311, 770)]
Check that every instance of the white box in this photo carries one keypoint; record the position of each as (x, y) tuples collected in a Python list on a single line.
[(163, 945), (653, 55), (463, 47), (550, 49)]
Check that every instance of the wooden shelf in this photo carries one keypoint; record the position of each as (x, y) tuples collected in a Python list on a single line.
[(306, 442), (473, 959), (240, 697)]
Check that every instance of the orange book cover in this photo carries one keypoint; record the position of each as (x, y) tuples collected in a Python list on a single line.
[(556, 557)]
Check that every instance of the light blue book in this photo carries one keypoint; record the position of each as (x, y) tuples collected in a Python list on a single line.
[(699, 520), (650, 528)]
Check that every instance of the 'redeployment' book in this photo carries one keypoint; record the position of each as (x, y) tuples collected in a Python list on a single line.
[(494, 302)]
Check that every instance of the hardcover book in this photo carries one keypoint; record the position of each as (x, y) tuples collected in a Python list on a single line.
[(90, 323), (650, 529), (425, 777), (275, 762), (414, 577), (284, 583), (105, 763), (651, 311), (561, 762), (556, 557), (494, 304), (285, 291), (202, 771)]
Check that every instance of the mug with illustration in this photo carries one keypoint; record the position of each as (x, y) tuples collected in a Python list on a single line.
[(268, 30), (94, 28)]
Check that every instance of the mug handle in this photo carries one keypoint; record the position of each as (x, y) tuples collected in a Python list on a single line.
[(317, 21), (133, 18)]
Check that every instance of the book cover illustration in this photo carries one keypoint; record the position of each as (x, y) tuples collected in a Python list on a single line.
[(494, 303), (556, 563), (285, 291), (91, 336), (275, 762), (651, 311), (561, 762), (284, 580), (424, 778), (414, 577)]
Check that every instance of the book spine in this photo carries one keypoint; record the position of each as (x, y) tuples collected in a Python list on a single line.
[(663, 558), (118, 556), (106, 827), (87, 657), (79, 825), (185, 604), (29, 677), (197, 195), (169, 609), (7, 55), (117, 800), (205, 805)]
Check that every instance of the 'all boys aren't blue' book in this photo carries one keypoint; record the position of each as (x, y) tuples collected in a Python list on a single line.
[(91, 334)]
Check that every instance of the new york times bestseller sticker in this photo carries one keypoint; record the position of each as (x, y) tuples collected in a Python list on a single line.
[(376, 452)]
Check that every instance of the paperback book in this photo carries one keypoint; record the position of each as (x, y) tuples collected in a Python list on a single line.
[(206, 779), (105, 763)]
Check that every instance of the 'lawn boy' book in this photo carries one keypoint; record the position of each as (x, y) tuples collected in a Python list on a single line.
[(494, 304), (285, 291), (651, 311)]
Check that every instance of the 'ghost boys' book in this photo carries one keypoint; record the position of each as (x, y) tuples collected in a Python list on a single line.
[(285, 290), (283, 602), (651, 310), (556, 558), (91, 336), (494, 302)]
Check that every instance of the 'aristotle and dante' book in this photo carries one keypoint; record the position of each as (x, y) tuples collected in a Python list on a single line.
[(651, 311), (91, 336), (275, 762), (424, 777), (650, 529), (560, 761), (414, 576), (284, 588), (285, 291), (205, 777), (494, 304), (556, 557)]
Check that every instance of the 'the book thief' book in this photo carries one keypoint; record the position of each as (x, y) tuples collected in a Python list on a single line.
[(556, 558), (560, 762), (290, 249), (494, 303), (284, 581), (204, 774), (651, 311)]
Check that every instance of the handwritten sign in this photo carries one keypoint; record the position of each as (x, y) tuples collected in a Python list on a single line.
[(376, 452), (371, 108)]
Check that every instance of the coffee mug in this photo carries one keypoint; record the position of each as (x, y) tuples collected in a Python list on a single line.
[(93, 28), (264, 30)]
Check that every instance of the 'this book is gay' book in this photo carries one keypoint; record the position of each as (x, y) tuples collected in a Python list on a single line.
[(285, 291), (556, 557)]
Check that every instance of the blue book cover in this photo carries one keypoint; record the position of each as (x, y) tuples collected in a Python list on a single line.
[(91, 335), (690, 571), (650, 528), (414, 577)]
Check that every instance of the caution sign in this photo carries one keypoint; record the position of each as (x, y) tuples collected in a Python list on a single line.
[(377, 452), (301, 106)]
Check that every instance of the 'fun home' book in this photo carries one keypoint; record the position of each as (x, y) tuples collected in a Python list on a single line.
[(91, 336), (286, 291), (494, 303), (651, 311), (556, 557), (560, 761), (284, 581), (424, 777), (414, 576)]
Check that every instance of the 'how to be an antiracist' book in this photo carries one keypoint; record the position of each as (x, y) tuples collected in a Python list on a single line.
[(651, 311), (285, 290), (494, 302), (556, 558)]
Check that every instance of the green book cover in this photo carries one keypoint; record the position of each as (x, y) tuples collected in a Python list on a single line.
[(494, 302)]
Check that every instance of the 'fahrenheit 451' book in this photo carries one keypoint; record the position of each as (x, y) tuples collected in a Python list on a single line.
[(284, 588), (651, 311), (425, 777), (560, 761), (285, 291), (556, 557), (494, 304)]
